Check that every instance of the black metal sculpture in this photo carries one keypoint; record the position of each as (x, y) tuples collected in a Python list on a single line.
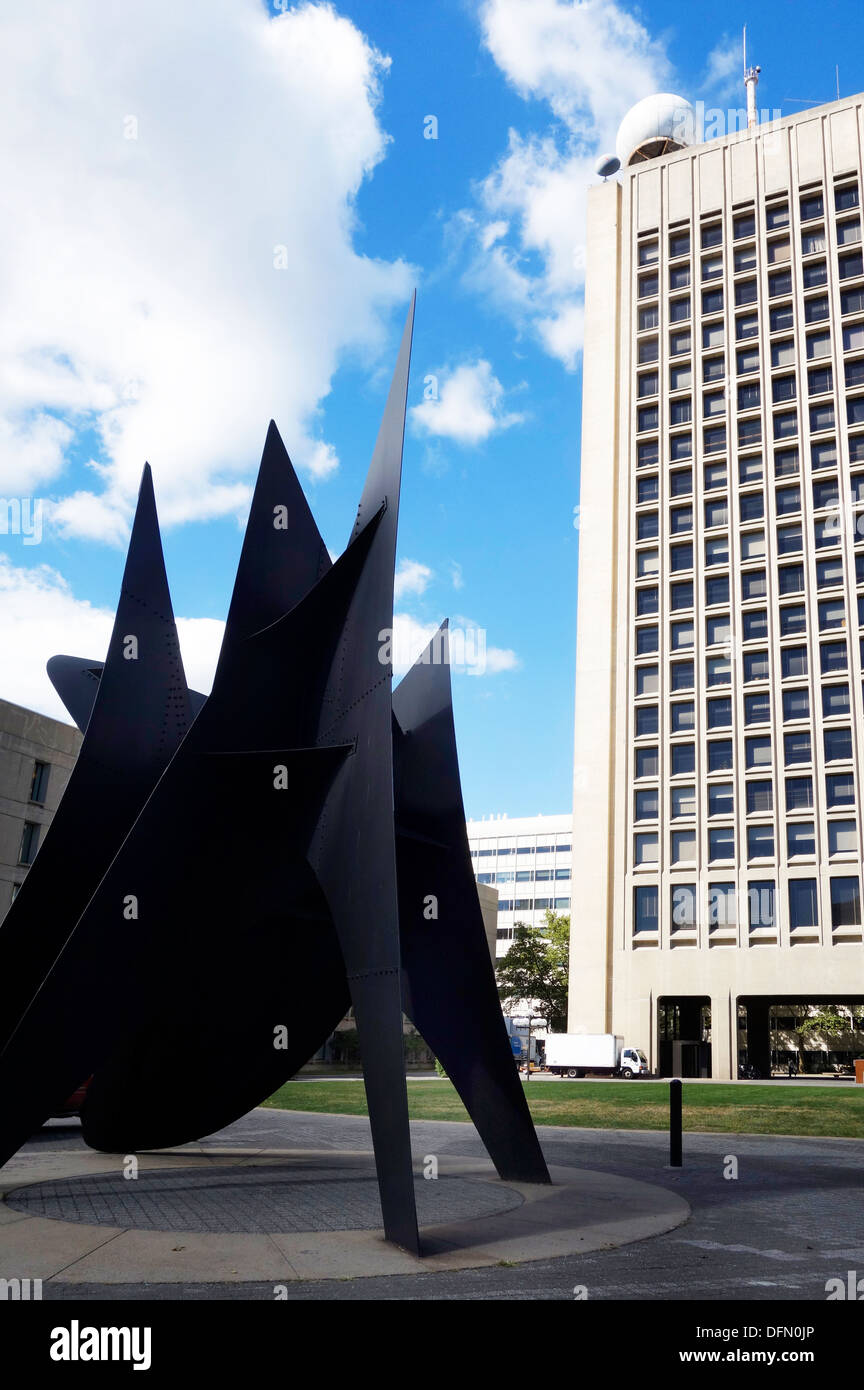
[(168, 972)]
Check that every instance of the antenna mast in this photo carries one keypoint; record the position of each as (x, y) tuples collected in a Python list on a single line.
[(751, 79)]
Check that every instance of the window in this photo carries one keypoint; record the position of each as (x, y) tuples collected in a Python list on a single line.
[(782, 319), (760, 798), (718, 630), (744, 225), (712, 269), (747, 326), (681, 557), (753, 585), (679, 244), (853, 338), (712, 301), (679, 277), (777, 216), (814, 274), (647, 489), (647, 455), (822, 416), (838, 745), (832, 614), (680, 636), (647, 350), (679, 309), (829, 573), (683, 759), (803, 903), (788, 540), (851, 265), (648, 680), (749, 432), (718, 670), (832, 656), (712, 235), (681, 595), (29, 842), (716, 513), (683, 717), (680, 378), (779, 282), (721, 843), (750, 469), (756, 666), (793, 620), (812, 243), (679, 342), (757, 708), (681, 676), (722, 904), (680, 520), (783, 354), (712, 335), (720, 713), (799, 793), (646, 720), (842, 837), (788, 500), (800, 839), (848, 232), (683, 843), (835, 700), (717, 590), (758, 752), (682, 802), (681, 483), (681, 446), (715, 476), (786, 425), (747, 360), (713, 403), (818, 345), (39, 783), (648, 384), (785, 462), (796, 705), (845, 902), (851, 302), (819, 380), (839, 790), (717, 552), (855, 410), (713, 369), (720, 799), (816, 309), (720, 755), (760, 896), (647, 418), (752, 506), (647, 526), (645, 849), (760, 843), (796, 748), (753, 545), (812, 205), (647, 762), (783, 389), (683, 906), (645, 908), (647, 563), (649, 317), (826, 494), (778, 252), (745, 292), (790, 579)]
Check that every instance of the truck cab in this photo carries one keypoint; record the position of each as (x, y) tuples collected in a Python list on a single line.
[(633, 1063)]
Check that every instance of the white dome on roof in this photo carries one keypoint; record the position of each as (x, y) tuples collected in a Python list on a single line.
[(654, 126)]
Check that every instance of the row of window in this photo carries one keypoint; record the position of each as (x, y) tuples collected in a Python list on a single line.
[(800, 843), (783, 354), (821, 417), (819, 379), (839, 792), (781, 317), (754, 585), (522, 849), (757, 710), (755, 666), (797, 749), (751, 506), (532, 904), (814, 274), (811, 207), (723, 905), (827, 532), (525, 876)]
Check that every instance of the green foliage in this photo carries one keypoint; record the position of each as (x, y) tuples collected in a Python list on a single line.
[(536, 967), (440, 1069), (828, 1021)]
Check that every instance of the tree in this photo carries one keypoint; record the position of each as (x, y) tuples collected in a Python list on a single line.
[(536, 968)]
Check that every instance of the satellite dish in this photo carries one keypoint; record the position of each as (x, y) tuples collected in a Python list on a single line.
[(607, 164)]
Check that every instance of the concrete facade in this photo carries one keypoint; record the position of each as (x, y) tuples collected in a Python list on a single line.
[(527, 859), (28, 739), (717, 849)]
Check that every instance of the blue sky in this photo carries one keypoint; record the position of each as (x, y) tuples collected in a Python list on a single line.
[(160, 163)]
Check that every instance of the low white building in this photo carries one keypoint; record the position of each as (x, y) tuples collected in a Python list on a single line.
[(527, 858)]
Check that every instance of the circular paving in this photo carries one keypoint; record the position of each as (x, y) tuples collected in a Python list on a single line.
[(251, 1200)]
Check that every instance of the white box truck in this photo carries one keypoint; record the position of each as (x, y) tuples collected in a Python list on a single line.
[(602, 1054)]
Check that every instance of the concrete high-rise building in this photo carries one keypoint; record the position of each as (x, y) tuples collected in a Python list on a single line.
[(527, 858), (37, 755), (717, 847)]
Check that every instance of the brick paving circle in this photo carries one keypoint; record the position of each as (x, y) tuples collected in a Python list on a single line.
[(251, 1200)]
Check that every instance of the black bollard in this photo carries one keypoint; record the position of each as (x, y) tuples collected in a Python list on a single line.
[(676, 1159)]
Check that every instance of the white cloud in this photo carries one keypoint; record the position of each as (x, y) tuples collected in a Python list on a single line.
[(470, 653), (141, 298), (724, 69), (469, 407), (411, 578), (589, 62), (456, 575), (41, 617)]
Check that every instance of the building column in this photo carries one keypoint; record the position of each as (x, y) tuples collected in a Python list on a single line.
[(722, 1042)]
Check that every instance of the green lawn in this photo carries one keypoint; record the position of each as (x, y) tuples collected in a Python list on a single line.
[(798, 1109)]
